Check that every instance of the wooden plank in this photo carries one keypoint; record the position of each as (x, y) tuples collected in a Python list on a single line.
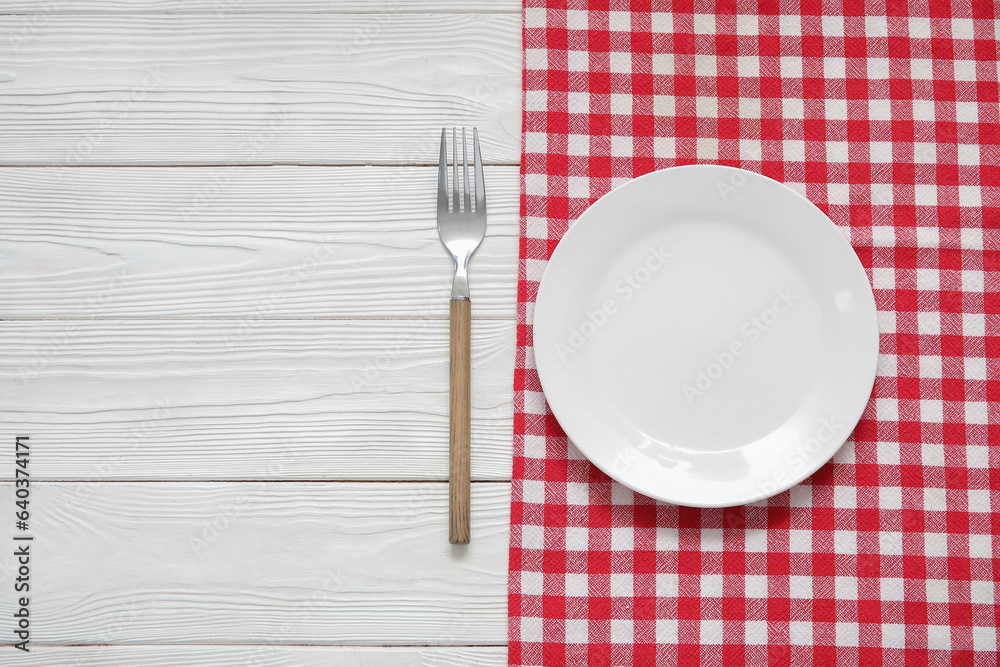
[(256, 89), (247, 243), (315, 399), (263, 563), (52, 7), (263, 656)]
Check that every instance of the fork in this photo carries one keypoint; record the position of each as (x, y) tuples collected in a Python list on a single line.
[(461, 228)]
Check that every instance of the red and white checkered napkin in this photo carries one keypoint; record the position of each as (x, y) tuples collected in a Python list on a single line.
[(888, 121)]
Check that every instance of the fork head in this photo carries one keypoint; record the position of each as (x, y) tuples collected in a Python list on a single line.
[(461, 225)]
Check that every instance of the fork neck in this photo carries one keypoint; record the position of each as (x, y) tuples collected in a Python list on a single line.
[(460, 285)]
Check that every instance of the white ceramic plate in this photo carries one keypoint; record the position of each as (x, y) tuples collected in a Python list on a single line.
[(706, 336)]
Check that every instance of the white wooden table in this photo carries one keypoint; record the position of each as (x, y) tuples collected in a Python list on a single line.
[(224, 328)]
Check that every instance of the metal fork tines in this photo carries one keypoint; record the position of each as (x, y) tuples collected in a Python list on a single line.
[(461, 228)]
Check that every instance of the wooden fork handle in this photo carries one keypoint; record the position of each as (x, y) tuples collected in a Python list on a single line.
[(458, 476)]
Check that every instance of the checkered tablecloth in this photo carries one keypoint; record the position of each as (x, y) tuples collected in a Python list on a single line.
[(886, 117)]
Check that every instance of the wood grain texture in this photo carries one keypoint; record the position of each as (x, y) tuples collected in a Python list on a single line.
[(256, 89), (231, 323), (313, 399), (246, 242), (263, 563), (262, 656), (459, 419), (219, 7)]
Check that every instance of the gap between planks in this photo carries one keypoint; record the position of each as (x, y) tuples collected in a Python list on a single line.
[(74, 480), (241, 165), (352, 318), (214, 7), (416, 12)]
